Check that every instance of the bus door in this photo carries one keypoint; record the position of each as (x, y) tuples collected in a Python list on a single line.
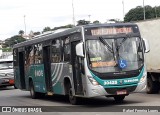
[(21, 70), (76, 67), (47, 67)]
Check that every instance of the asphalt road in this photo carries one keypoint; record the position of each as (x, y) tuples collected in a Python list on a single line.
[(60, 104)]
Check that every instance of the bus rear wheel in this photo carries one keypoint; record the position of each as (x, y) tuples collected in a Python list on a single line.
[(119, 98), (34, 94)]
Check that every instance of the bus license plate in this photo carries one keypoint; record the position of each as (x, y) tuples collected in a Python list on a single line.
[(122, 92)]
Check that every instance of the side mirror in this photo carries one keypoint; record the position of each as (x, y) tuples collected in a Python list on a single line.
[(79, 49), (146, 46)]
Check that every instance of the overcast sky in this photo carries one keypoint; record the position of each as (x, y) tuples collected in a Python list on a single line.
[(52, 13)]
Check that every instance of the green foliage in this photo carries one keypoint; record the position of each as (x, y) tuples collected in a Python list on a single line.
[(82, 22), (157, 11), (46, 29), (60, 27), (134, 14), (96, 22), (14, 40), (37, 33), (137, 13), (8, 49), (21, 32), (150, 12)]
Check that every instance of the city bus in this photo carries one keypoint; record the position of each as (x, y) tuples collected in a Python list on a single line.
[(84, 61)]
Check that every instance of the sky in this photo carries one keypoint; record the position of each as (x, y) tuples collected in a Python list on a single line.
[(35, 15)]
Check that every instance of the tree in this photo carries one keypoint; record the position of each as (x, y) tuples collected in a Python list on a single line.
[(96, 22), (60, 27), (134, 14), (82, 22), (21, 32), (46, 29), (156, 11), (14, 40), (37, 33), (137, 13), (149, 12)]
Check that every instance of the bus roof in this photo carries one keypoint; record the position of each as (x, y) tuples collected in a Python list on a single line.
[(52, 35)]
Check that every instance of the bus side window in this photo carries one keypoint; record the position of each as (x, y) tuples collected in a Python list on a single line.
[(28, 57), (66, 50), (56, 54), (38, 53), (67, 53)]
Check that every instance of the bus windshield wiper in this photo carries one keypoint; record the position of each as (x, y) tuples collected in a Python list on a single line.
[(111, 49), (106, 44), (124, 39)]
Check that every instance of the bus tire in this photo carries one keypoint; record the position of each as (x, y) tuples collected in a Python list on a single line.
[(34, 94), (15, 86), (73, 99), (152, 86), (119, 98)]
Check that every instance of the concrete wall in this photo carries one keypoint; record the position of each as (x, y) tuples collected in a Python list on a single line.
[(150, 30)]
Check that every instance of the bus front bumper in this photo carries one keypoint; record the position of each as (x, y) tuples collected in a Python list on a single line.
[(94, 91)]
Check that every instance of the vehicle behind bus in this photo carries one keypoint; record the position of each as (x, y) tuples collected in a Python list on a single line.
[(6, 72), (85, 61)]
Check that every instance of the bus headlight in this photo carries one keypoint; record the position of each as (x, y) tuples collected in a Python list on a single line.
[(92, 80), (143, 79)]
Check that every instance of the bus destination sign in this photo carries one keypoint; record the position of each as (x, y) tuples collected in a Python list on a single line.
[(110, 31)]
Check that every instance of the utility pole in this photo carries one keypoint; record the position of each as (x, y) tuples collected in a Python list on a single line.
[(156, 11), (25, 25), (123, 8), (73, 14), (144, 10), (89, 18)]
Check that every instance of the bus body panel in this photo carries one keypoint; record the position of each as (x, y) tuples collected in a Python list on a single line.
[(38, 77), (59, 71), (17, 77)]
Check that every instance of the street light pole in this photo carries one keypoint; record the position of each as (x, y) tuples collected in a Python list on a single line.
[(144, 10), (73, 13), (89, 17), (25, 24), (123, 8), (156, 11)]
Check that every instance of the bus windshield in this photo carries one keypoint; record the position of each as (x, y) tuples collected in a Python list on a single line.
[(6, 65), (106, 55)]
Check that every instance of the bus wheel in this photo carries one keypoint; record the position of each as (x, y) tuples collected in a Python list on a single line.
[(15, 87), (34, 94), (152, 86), (73, 99), (119, 98)]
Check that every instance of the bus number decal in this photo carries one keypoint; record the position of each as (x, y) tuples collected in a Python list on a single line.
[(39, 73), (110, 82)]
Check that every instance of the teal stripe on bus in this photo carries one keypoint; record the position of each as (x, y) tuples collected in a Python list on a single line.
[(119, 82)]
